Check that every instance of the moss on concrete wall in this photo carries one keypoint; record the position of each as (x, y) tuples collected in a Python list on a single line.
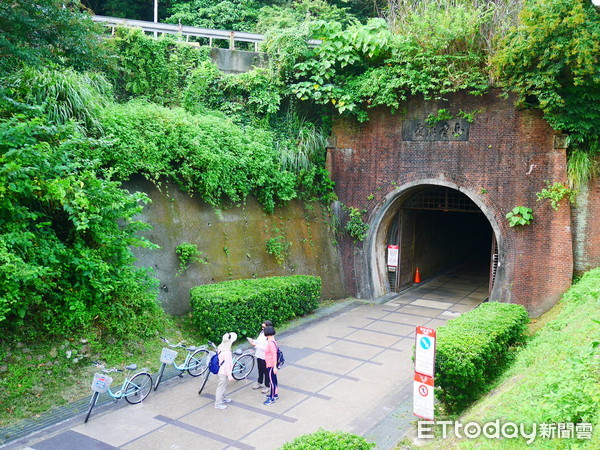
[(234, 242)]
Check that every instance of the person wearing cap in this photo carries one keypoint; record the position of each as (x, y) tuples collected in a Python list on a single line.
[(271, 361), (225, 369), (260, 343)]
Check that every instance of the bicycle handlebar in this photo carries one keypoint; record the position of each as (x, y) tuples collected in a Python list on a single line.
[(105, 370), (178, 345)]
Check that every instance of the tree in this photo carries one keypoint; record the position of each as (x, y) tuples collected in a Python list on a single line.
[(550, 60), (35, 32)]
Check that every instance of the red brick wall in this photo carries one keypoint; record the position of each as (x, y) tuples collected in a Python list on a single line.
[(510, 153)]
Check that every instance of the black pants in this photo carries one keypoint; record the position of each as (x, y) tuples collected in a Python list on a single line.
[(262, 372), (273, 379)]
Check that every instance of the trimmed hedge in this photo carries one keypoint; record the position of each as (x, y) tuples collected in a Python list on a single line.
[(328, 440), (242, 305), (474, 348)]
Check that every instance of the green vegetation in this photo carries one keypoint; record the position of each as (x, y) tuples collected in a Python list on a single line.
[(554, 379), (65, 238), (563, 78), (41, 32), (328, 440), (240, 304), (278, 247), (355, 226), (520, 215), (204, 154), (555, 193), (39, 374), (473, 349), (188, 254)]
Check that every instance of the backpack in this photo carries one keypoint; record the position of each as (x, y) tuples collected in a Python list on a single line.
[(213, 364), (280, 358)]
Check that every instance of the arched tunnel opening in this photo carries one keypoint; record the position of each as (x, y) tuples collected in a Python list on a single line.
[(437, 229)]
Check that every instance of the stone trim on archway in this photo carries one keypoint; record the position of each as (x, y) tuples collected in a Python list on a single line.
[(375, 263)]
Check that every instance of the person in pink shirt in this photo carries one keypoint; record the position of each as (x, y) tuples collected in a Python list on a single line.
[(271, 362), (226, 367), (260, 344)]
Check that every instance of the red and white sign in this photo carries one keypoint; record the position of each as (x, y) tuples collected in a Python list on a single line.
[(423, 398), (392, 260), (425, 351)]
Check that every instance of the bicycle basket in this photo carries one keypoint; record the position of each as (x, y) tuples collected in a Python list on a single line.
[(167, 356), (101, 383)]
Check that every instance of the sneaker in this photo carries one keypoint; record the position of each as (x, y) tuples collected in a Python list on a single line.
[(276, 397), (268, 401), (220, 406), (266, 390), (226, 400), (257, 386)]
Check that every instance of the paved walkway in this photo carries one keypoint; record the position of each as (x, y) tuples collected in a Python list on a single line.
[(350, 371)]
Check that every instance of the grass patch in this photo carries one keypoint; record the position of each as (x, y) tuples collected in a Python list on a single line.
[(555, 379), (37, 375)]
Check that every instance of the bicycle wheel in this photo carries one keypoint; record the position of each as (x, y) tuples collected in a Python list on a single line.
[(207, 374), (92, 403), (242, 367), (159, 376), (138, 388), (198, 362)]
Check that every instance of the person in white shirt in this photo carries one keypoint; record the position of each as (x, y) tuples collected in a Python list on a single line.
[(261, 343)]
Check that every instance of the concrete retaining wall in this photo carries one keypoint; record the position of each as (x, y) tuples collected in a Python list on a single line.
[(234, 243)]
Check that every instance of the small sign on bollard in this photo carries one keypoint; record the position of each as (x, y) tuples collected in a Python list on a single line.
[(423, 397), (425, 351)]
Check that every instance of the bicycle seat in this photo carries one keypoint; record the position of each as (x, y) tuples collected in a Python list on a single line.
[(131, 367), (191, 348)]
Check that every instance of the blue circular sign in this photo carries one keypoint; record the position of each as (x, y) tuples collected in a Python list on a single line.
[(425, 343)]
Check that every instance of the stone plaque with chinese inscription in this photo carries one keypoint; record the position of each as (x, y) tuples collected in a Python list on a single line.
[(446, 130)]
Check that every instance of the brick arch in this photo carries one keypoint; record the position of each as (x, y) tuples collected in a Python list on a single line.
[(510, 153), (382, 215)]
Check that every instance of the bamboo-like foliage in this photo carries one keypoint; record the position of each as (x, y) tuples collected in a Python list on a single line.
[(581, 167), (303, 148), (62, 95)]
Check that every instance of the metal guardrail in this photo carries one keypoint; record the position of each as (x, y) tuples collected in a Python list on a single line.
[(166, 28)]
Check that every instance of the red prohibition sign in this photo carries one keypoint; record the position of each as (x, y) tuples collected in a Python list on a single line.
[(423, 390)]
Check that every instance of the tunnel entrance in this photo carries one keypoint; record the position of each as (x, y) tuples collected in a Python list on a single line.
[(437, 228)]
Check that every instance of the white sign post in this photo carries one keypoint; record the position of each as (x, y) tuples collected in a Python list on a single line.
[(425, 351), (392, 259), (423, 398)]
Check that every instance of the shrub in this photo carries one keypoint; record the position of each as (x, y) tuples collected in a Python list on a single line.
[(328, 440), (65, 237), (555, 378), (241, 305), (188, 254), (473, 349), (206, 154)]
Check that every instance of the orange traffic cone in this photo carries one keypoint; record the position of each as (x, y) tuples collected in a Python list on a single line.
[(417, 276)]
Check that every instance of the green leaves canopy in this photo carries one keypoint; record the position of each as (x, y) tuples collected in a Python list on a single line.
[(35, 32), (551, 61), (64, 232), (207, 154)]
